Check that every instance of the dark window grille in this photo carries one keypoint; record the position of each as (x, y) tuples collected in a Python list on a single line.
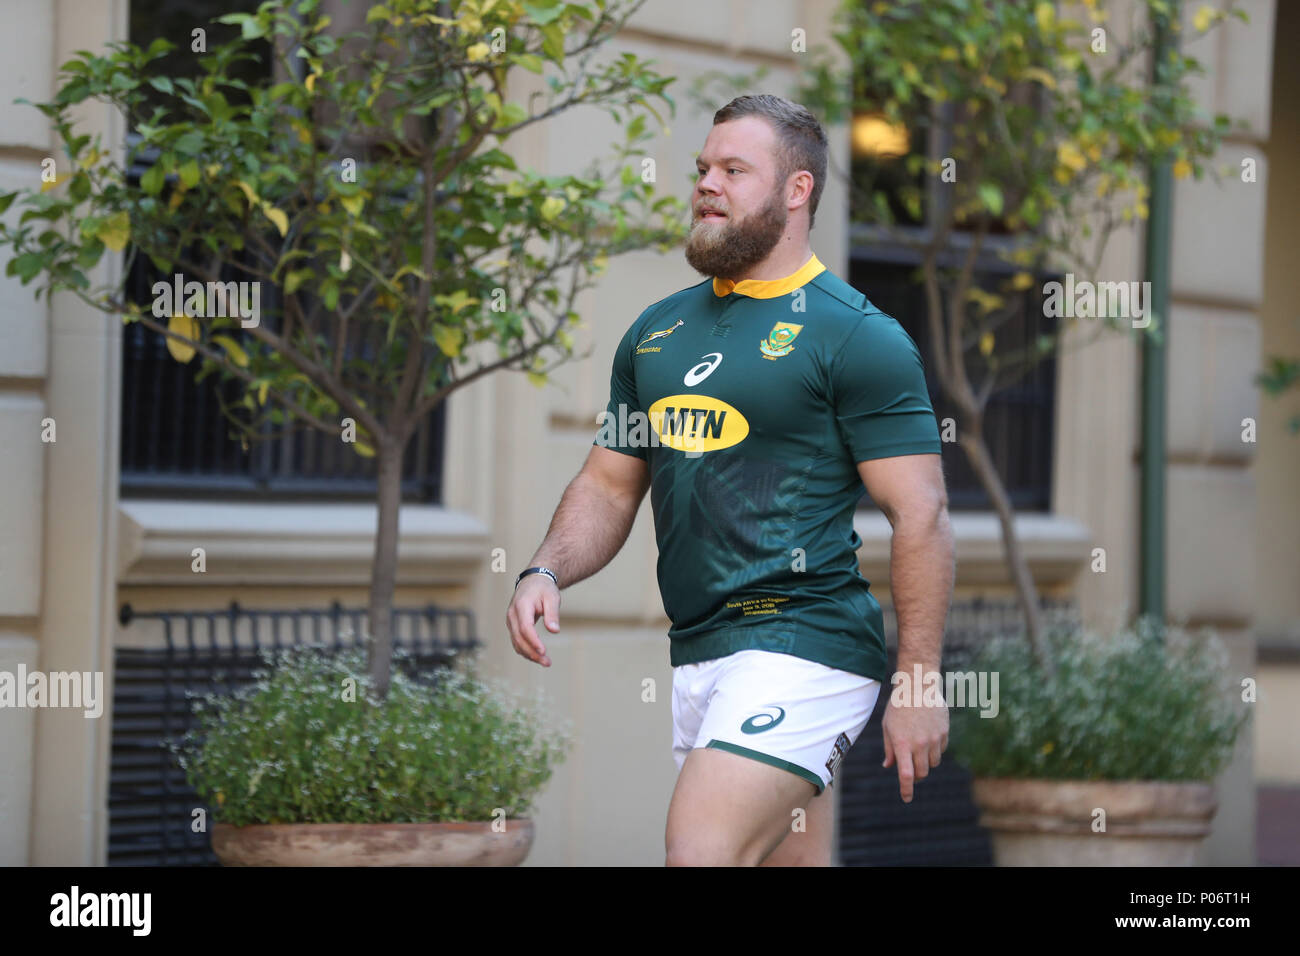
[(940, 827), (150, 804), (176, 440), (1019, 419)]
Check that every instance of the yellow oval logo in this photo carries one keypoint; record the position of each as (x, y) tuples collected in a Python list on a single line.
[(697, 423)]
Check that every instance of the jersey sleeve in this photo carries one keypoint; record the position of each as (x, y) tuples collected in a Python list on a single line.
[(882, 405), (615, 428)]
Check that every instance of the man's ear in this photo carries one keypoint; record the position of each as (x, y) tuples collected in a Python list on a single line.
[(800, 178)]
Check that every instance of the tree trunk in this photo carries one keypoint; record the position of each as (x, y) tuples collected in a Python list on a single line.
[(972, 442), (383, 573)]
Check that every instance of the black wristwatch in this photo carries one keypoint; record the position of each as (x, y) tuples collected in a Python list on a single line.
[(527, 571)]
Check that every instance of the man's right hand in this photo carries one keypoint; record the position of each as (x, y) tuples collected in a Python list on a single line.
[(536, 596)]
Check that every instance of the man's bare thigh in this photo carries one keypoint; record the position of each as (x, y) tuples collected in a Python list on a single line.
[(810, 837), (729, 810)]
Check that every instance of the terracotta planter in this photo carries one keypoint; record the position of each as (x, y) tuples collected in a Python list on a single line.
[(1051, 822), (373, 844)]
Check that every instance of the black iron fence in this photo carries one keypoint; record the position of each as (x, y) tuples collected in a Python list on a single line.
[(150, 804)]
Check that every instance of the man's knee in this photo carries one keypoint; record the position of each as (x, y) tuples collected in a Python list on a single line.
[(693, 851)]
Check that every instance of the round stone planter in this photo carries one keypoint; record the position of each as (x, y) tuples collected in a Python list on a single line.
[(373, 844), (1052, 822)]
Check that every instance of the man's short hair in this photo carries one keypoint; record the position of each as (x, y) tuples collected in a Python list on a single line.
[(800, 138)]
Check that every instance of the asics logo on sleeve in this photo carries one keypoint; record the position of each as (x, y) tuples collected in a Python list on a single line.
[(702, 371)]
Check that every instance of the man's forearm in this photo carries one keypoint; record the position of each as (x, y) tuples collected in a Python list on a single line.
[(587, 530), (921, 579)]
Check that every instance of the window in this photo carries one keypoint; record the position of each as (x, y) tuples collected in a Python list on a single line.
[(175, 438), (1018, 418)]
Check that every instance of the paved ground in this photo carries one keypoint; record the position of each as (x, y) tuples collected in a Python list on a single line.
[(1277, 833)]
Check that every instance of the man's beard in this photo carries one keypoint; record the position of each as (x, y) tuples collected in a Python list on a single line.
[(732, 247)]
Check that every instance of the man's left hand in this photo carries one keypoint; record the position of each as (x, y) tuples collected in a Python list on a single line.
[(915, 736)]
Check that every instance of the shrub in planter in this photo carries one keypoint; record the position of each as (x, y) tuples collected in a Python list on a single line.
[(1136, 725), (309, 743)]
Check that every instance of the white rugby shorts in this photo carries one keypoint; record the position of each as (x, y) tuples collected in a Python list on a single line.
[(780, 709)]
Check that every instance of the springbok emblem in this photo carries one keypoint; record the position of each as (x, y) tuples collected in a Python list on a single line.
[(659, 335)]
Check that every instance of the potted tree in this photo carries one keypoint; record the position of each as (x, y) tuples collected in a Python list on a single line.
[(306, 767), (1111, 762), (348, 241)]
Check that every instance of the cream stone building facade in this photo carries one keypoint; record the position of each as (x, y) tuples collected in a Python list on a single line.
[(72, 550)]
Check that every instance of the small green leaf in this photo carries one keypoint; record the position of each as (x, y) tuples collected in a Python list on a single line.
[(295, 279), (530, 61), (153, 179), (189, 174), (115, 231), (26, 267), (7, 200), (991, 196), (543, 12)]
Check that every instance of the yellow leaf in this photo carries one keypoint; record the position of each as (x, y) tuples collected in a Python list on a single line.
[(1048, 748), (114, 231), (478, 51), (1022, 281), (276, 216), (1182, 169), (537, 378), (1069, 156), (310, 82), (552, 206), (362, 449), (1045, 13), (233, 349), (1204, 17), (54, 183), (353, 204), (185, 325), (1041, 75), (986, 344), (449, 339), (253, 198)]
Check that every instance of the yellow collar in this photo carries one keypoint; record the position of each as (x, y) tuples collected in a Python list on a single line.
[(769, 288)]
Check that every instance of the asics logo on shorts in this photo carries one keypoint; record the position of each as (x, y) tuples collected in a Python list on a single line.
[(750, 727)]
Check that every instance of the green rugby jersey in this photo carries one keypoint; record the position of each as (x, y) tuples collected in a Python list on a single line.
[(751, 403)]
